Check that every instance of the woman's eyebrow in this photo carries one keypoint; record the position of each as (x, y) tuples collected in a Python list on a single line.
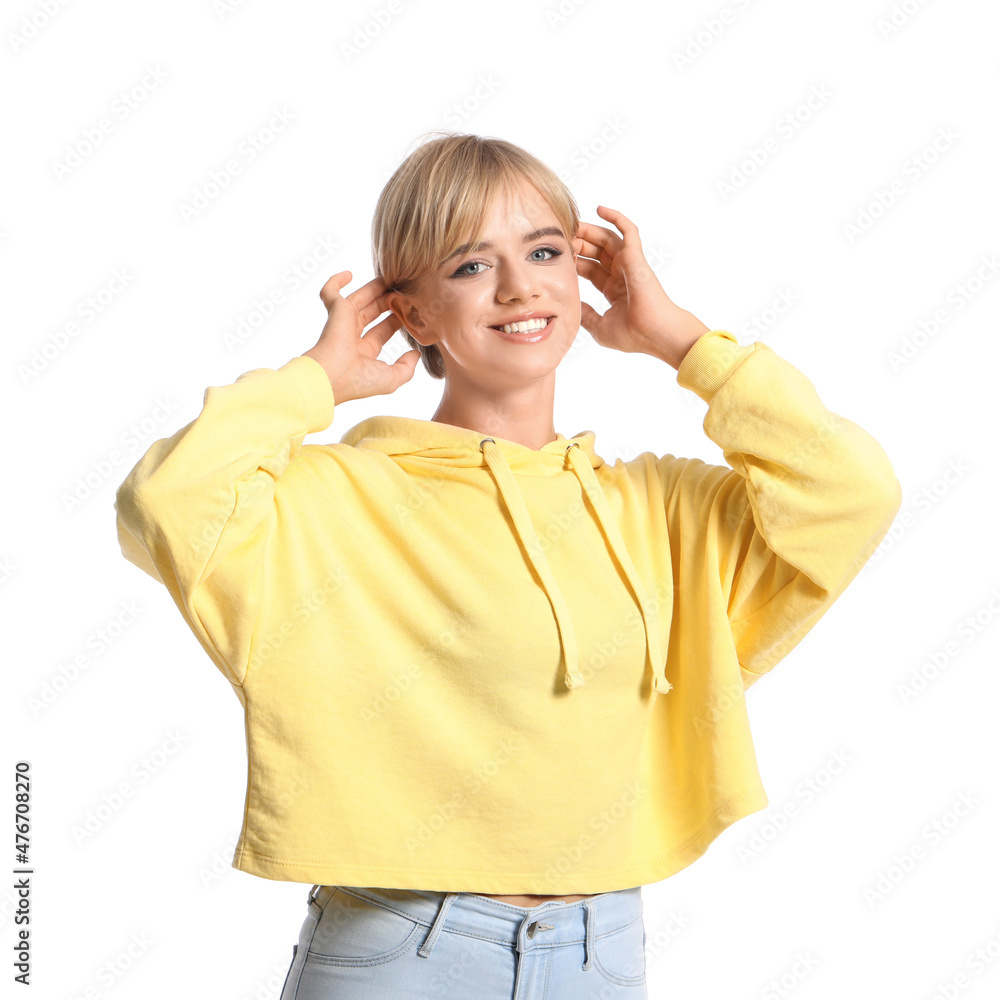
[(488, 244)]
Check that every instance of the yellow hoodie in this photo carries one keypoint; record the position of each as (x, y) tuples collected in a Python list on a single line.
[(469, 665)]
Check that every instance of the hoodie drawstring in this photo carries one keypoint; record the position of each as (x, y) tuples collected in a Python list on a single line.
[(514, 500)]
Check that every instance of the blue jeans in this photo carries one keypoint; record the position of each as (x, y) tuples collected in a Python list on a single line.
[(379, 944)]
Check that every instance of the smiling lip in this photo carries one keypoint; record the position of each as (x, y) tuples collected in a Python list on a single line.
[(527, 338), (522, 318)]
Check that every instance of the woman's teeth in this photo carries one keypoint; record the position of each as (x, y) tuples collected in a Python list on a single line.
[(527, 326)]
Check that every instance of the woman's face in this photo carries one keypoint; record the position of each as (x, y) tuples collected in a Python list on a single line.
[(459, 304)]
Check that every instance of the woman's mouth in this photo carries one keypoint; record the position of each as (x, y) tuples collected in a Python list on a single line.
[(530, 331)]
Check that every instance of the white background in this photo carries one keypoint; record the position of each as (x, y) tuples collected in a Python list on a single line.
[(599, 93)]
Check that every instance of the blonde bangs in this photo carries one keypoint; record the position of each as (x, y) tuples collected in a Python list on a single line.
[(439, 199)]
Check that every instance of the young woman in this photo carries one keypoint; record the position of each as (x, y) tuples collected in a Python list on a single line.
[(493, 684)]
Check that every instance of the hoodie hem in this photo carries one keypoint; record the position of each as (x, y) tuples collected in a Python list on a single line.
[(490, 881)]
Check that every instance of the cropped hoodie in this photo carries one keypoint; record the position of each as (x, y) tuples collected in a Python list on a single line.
[(469, 665)]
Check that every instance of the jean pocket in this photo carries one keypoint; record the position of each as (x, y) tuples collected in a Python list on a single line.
[(354, 931), (621, 954)]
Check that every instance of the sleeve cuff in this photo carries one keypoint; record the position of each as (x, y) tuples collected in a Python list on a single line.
[(317, 392), (710, 360)]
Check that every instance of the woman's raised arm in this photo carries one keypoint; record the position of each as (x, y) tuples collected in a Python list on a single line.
[(197, 510), (808, 498)]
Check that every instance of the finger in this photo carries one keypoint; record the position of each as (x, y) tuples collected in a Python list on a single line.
[(403, 368), (368, 302), (380, 334), (335, 282), (611, 242), (408, 360), (589, 317), (629, 229), (331, 290), (593, 272), (597, 253), (591, 231), (370, 291), (371, 310)]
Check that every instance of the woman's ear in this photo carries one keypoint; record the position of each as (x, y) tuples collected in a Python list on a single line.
[(408, 315)]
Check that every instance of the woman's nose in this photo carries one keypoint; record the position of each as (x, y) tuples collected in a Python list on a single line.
[(517, 281)]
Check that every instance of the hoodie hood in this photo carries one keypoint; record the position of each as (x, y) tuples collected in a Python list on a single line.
[(504, 460)]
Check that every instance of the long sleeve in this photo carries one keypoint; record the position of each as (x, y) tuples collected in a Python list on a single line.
[(196, 510), (807, 499)]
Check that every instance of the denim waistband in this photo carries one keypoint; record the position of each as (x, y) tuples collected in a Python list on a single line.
[(554, 923)]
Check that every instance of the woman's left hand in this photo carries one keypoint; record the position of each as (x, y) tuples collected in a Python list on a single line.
[(642, 318)]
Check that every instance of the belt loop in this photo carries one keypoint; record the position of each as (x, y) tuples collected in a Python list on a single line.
[(424, 950), (589, 944), (312, 894)]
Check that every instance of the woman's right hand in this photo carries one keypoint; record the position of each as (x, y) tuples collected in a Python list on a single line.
[(349, 356)]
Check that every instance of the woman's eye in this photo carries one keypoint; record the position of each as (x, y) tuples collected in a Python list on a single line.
[(478, 263), (551, 250)]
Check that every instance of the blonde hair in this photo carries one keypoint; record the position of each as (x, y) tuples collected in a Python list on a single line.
[(439, 199)]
